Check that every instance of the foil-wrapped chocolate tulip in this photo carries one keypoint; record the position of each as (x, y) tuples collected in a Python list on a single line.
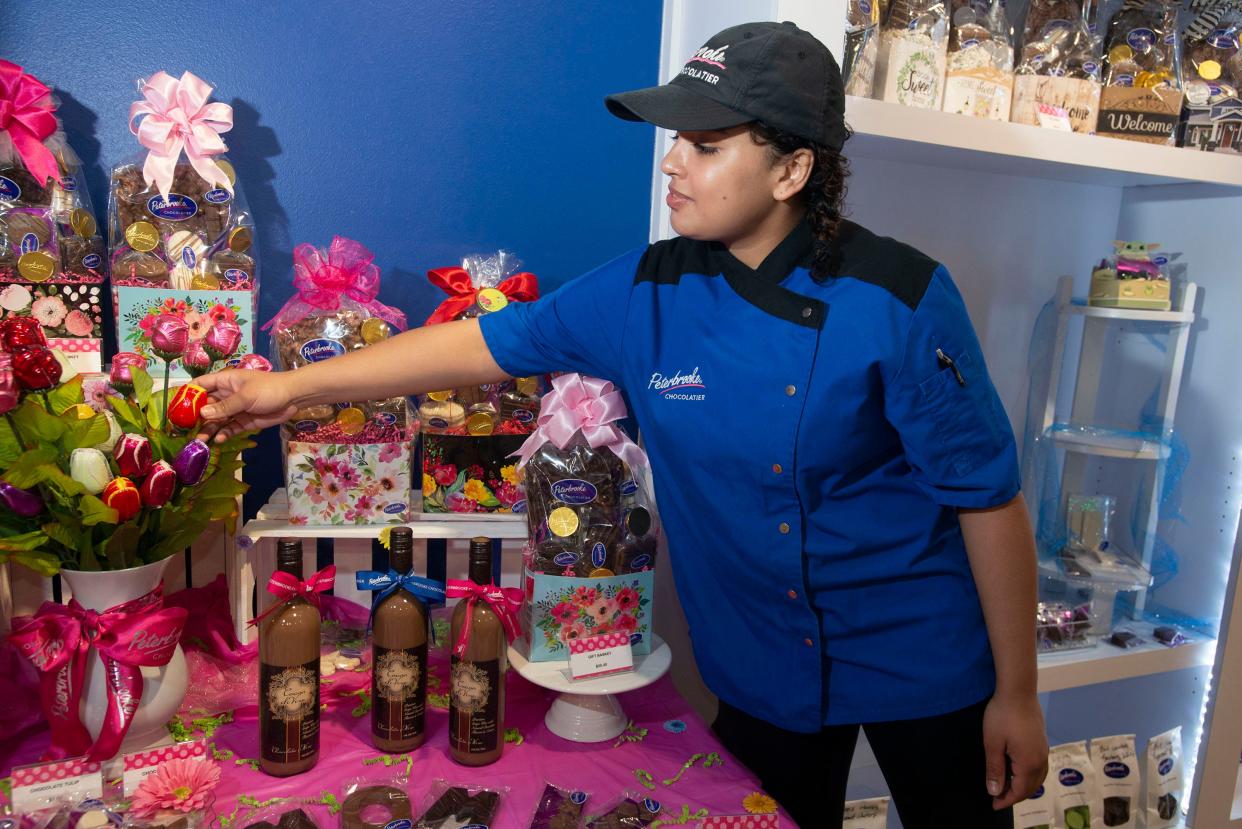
[(90, 468), (191, 462), (133, 455), (158, 487), (23, 502)]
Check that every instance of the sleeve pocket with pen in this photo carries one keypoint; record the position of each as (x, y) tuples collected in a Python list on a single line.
[(961, 402)]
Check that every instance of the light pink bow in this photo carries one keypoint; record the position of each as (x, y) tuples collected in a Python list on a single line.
[(285, 586), (58, 639), (506, 601), (175, 117), (587, 405), (26, 114), (347, 270)]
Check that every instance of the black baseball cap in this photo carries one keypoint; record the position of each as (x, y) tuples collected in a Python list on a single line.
[(770, 72)]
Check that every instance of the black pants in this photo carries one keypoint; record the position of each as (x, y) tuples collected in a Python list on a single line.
[(934, 767)]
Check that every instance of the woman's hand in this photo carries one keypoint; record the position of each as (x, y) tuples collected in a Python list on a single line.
[(1013, 729), (245, 401)]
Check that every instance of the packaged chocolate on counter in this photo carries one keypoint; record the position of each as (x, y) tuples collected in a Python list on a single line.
[(470, 433), (1142, 95), (593, 532), (558, 809), (631, 812), (349, 462), (448, 806), (180, 233), (979, 77), (1059, 69), (910, 59), (51, 250), (1212, 71)]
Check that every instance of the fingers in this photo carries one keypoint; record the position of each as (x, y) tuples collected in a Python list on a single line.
[(994, 766), (212, 382), (230, 405), (1027, 777)]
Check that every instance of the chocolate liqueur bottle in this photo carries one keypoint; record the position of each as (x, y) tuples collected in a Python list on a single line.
[(477, 679), (289, 678), (399, 660)]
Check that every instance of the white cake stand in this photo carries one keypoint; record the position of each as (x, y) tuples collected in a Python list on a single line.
[(587, 711)]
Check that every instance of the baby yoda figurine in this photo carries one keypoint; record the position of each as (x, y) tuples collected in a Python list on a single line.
[(1132, 280)]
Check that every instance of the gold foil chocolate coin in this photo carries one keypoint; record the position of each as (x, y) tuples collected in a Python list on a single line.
[(480, 423), (142, 236), (205, 282), (352, 420), (527, 386), (375, 330), (82, 222), (1209, 70), (36, 266), (491, 299), (228, 171), (240, 239), (602, 573), (563, 522), (440, 396), (1120, 53)]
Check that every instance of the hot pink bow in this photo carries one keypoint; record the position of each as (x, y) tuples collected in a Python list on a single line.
[(175, 117), (587, 405), (322, 278), (58, 639), (285, 586), (506, 601), (26, 114)]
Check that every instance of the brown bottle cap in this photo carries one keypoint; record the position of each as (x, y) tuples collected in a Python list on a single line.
[(401, 548), (289, 556)]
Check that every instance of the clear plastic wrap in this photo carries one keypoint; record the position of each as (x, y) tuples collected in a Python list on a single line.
[(375, 803), (448, 806), (558, 809), (1141, 47), (1211, 65), (632, 811), (283, 814), (1057, 41), (910, 64)]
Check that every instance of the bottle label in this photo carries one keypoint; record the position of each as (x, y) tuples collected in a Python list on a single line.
[(398, 711), (474, 706), (289, 712)]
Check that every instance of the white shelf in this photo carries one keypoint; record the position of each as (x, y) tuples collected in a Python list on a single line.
[(1111, 447), (1105, 663), (1081, 308), (908, 135)]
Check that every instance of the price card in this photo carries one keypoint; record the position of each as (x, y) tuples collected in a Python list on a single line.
[(141, 763), (597, 656), (740, 822), (37, 786), (1054, 117)]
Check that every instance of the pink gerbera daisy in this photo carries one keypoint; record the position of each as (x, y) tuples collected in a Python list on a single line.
[(181, 785)]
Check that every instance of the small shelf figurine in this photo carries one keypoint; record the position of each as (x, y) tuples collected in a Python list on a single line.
[(1133, 279)]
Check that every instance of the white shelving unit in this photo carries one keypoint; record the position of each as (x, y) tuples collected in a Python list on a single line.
[(1060, 671)]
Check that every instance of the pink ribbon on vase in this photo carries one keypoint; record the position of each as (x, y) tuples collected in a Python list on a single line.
[(58, 640), (27, 116), (176, 117), (587, 405), (506, 601), (285, 586), (347, 270)]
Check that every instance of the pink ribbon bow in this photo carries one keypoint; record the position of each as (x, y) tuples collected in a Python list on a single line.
[(129, 636), (26, 114), (285, 586), (506, 601), (176, 117), (587, 405), (322, 278)]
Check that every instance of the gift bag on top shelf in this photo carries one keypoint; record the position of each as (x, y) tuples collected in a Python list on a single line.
[(348, 462), (180, 234), (1059, 68), (593, 530), (1212, 71), (910, 59), (470, 433), (1142, 95), (51, 252), (979, 79)]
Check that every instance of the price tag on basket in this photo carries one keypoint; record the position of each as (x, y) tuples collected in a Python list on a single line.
[(596, 656)]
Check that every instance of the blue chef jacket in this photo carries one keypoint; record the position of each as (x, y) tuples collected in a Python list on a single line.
[(810, 442)]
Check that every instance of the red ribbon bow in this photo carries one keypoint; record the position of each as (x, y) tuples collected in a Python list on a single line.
[(285, 586), (456, 282), (130, 636), (26, 115), (506, 601)]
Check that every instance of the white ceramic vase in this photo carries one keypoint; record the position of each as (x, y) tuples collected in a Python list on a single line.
[(162, 688)]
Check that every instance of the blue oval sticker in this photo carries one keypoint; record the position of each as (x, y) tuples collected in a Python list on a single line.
[(1141, 39), (401, 823), (68, 184), (578, 798), (188, 256), (652, 806), (175, 208), (523, 415), (519, 507), (635, 638), (599, 554), (306, 425), (30, 243), (395, 508), (1166, 766), (321, 349), (9, 191), (235, 275), (385, 418), (92, 260), (1070, 777), (628, 487), (640, 562), (564, 559), (437, 423), (573, 491), (1116, 770), (217, 196)]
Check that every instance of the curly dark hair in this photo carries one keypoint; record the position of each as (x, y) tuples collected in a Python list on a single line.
[(824, 192)]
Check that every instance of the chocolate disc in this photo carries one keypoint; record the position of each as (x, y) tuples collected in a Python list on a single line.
[(205, 282), (142, 236), (1209, 70), (36, 266), (82, 222), (480, 423), (228, 171), (375, 330), (240, 239), (638, 521), (601, 573), (527, 386), (351, 420), (563, 522)]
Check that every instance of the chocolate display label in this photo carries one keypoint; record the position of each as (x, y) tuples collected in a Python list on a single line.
[(574, 492), (175, 208), (566, 559), (92, 260), (599, 554), (9, 191), (217, 196), (321, 349)]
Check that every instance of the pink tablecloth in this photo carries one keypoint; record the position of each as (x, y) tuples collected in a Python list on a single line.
[(605, 770)]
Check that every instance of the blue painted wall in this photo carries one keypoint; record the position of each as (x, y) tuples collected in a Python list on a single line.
[(426, 130)]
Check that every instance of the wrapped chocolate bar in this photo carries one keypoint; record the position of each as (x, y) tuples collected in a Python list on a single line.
[(448, 806), (348, 462), (1142, 97), (1212, 70), (1059, 69), (51, 251), (179, 230), (979, 79), (910, 61), (593, 529), (469, 433)]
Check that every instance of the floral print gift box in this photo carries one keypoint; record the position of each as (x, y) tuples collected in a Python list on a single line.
[(336, 483), (71, 316), (559, 609)]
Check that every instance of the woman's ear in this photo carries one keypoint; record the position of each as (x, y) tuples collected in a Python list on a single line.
[(794, 172)]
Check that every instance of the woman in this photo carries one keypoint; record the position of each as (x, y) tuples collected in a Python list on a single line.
[(837, 477)]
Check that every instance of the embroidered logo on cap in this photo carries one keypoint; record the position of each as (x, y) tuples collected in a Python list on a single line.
[(712, 57)]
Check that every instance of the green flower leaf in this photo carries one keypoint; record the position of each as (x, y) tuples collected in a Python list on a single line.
[(95, 511), (142, 386), (66, 394)]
